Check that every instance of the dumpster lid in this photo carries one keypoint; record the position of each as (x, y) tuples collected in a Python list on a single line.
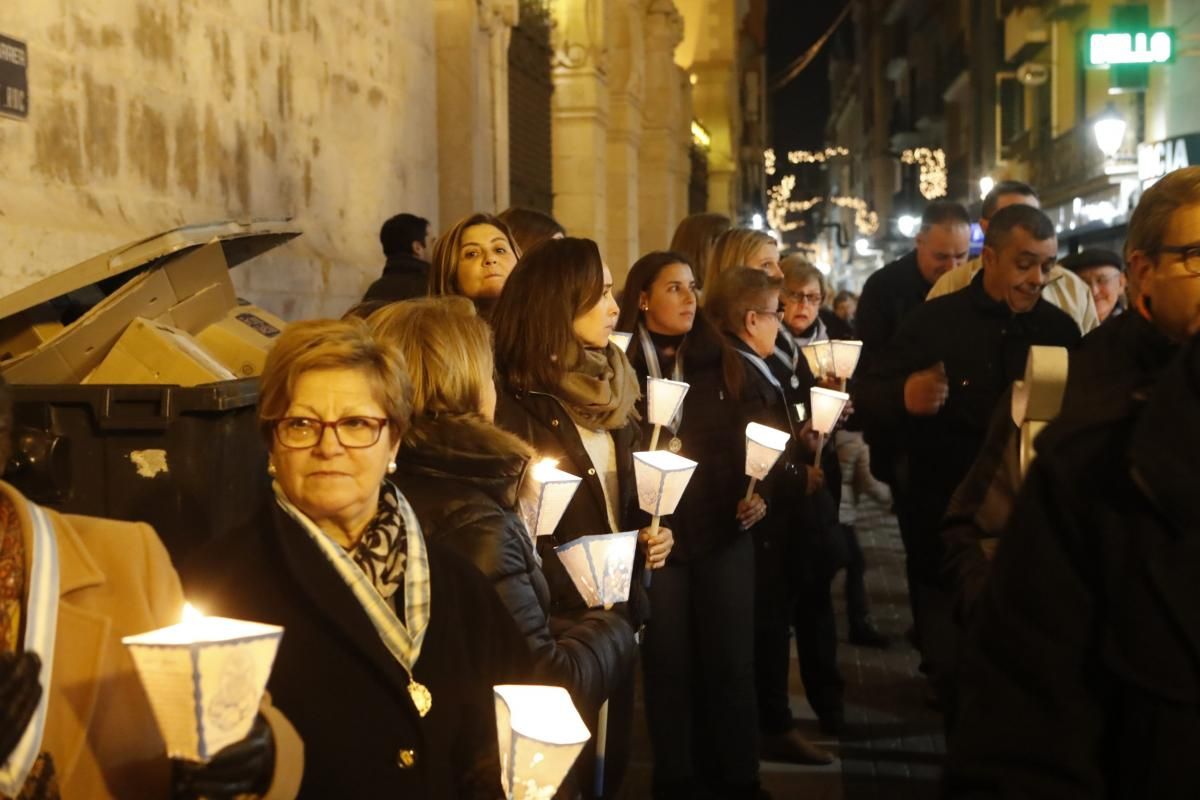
[(240, 241)]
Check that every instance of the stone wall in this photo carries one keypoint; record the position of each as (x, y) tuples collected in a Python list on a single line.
[(147, 114)]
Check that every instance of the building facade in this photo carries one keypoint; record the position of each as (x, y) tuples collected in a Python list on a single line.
[(142, 116)]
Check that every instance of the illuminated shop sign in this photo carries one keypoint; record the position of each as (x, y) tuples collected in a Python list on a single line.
[(1115, 48), (1156, 159)]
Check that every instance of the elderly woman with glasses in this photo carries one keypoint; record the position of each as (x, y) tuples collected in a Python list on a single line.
[(390, 648)]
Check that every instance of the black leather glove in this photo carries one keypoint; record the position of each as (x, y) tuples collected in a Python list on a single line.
[(20, 691), (243, 767)]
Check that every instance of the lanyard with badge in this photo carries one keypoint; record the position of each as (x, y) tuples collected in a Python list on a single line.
[(654, 369)]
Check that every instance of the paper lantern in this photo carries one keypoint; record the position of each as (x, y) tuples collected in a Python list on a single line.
[(764, 446), (661, 478), (540, 735), (819, 356), (663, 399), (845, 357), (827, 405), (545, 497), (204, 678), (621, 340), (600, 566)]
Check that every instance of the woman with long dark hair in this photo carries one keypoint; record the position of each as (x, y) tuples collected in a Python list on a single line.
[(698, 654), (571, 394)]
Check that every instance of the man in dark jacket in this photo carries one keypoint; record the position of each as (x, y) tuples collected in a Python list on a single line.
[(1080, 675), (407, 244), (937, 382)]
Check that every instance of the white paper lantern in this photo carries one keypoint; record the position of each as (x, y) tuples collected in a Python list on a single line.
[(545, 497), (540, 734), (819, 356), (661, 478), (845, 357), (827, 405), (204, 678), (600, 566), (663, 399), (621, 340), (764, 446)]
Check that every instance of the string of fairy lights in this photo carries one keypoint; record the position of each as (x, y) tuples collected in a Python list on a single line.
[(933, 182)]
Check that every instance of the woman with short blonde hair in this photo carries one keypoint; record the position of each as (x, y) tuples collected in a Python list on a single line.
[(463, 476), (381, 629)]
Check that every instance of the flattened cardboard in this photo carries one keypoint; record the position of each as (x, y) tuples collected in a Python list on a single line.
[(242, 339), (79, 349), (151, 352)]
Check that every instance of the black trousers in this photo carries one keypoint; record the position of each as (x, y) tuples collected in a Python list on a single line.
[(857, 609), (698, 664), (776, 588), (816, 640)]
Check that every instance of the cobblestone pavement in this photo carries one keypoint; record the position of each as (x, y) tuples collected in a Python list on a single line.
[(893, 745)]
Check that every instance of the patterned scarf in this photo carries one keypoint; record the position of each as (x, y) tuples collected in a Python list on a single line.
[(382, 550)]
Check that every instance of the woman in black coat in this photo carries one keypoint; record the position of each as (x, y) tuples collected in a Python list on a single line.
[(390, 648), (744, 302), (463, 476), (569, 393), (698, 659)]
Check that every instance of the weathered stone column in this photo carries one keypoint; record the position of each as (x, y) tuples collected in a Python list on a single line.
[(580, 117), (472, 107), (663, 160), (626, 93)]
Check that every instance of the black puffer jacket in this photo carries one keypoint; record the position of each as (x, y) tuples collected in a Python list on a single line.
[(462, 476)]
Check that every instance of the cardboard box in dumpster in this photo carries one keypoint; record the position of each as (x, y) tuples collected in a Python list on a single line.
[(153, 352), (189, 292), (242, 339)]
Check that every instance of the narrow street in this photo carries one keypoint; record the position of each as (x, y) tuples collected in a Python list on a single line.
[(893, 744)]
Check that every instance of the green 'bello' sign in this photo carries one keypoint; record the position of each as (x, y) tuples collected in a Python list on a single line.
[(1116, 48)]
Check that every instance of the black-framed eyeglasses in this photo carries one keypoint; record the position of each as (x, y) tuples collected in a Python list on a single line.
[(1189, 254), (296, 433), (812, 298)]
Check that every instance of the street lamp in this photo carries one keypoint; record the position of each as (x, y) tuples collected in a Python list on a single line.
[(1109, 129)]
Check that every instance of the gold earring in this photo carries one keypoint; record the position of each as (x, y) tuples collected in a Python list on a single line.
[(391, 469), (271, 469)]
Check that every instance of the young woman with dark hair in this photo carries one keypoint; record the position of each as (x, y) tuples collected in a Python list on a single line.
[(698, 654), (473, 259), (571, 394)]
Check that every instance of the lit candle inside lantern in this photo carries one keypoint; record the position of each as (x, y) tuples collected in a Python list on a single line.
[(546, 496), (663, 399), (819, 356), (764, 446), (204, 678), (600, 566), (621, 339), (827, 405), (845, 359), (540, 734)]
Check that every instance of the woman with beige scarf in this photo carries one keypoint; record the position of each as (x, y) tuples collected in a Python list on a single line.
[(571, 395)]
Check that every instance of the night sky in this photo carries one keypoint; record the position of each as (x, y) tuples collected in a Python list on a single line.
[(799, 110)]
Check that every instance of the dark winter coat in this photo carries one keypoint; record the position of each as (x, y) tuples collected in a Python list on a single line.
[(462, 476), (888, 296), (404, 277), (984, 347), (713, 434), (1082, 674), (339, 684), (1112, 364), (543, 423)]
